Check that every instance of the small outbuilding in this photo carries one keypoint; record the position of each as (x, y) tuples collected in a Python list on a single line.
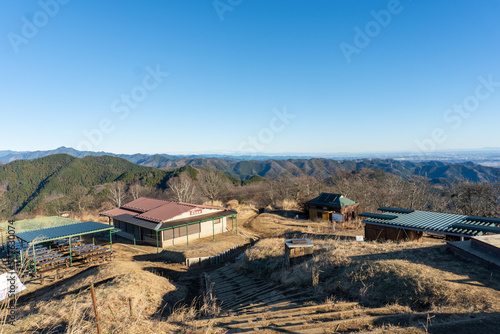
[(332, 207), (409, 225)]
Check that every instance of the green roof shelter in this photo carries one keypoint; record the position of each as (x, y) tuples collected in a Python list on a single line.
[(332, 207), (64, 232), (398, 224), (32, 224)]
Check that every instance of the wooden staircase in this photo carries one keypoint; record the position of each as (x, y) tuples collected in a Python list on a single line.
[(251, 305)]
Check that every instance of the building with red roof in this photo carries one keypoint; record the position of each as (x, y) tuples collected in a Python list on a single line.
[(163, 223)]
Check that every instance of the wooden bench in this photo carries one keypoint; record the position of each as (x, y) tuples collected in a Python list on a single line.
[(45, 257), (40, 273), (52, 262), (37, 251), (83, 247), (56, 264), (91, 250), (99, 256)]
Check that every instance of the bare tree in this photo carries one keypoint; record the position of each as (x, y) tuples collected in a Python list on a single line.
[(212, 183), (81, 198), (183, 188), (136, 190), (117, 193), (478, 199)]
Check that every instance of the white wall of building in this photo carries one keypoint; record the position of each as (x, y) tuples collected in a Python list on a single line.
[(206, 230), (194, 212)]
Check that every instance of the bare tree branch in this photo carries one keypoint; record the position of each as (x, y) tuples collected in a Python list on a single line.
[(116, 193)]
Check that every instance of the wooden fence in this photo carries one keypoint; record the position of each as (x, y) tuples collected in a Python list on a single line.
[(216, 259)]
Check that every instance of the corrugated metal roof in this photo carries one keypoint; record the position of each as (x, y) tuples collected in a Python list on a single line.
[(445, 223), (165, 212), (118, 212), (37, 223), (133, 220), (195, 219), (61, 232), (378, 216), (387, 209), (332, 199), (143, 204)]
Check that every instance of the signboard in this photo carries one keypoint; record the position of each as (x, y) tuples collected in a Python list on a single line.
[(10, 282), (337, 217), (359, 238), (196, 212)]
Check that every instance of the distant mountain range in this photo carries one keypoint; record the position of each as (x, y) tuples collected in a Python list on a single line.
[(244, 167), (488, 156)]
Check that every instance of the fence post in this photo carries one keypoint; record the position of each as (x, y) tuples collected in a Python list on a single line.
[(94, 303)]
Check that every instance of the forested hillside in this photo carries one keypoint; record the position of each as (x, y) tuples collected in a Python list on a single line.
[(25, 184)]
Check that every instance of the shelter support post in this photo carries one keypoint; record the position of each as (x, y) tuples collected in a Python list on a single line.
[(111, 241), (34, 258), (70, 256), (213, 230), (157, 247), (187, 235)]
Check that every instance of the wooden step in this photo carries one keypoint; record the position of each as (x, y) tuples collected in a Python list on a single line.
[(291, 312), (272, 304), (316, 327)]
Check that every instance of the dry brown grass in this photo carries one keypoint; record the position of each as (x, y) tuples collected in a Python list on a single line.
[(288, 205), (415, 276), (67, 308)]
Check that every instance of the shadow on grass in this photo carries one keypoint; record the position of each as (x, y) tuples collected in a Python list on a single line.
[(166, 256)]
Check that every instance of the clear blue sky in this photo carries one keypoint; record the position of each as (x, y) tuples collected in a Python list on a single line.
[(67, 70)]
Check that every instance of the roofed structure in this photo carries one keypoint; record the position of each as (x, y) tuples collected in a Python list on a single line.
[(164, 222), (395, 224), (332, 207)]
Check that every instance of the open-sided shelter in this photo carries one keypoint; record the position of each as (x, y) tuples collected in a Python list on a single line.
[(404, 224), (33, 224), (163, 223), (33, 238)]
